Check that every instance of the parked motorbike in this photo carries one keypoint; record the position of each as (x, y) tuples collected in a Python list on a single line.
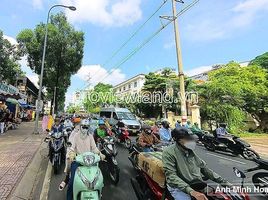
[(108, 148), (122, 136), (237, 147), (259, 179), (88, 179), (57, 150), (147, 189)]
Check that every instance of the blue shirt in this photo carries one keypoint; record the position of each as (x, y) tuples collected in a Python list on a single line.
[(177, 125), (165, 134)]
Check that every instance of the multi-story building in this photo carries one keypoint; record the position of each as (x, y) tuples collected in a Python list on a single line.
[(130, 86)]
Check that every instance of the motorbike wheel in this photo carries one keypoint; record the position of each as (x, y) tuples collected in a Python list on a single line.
[(260, 181), (114, 173), (209, 147), (250, 154), (128, 143)]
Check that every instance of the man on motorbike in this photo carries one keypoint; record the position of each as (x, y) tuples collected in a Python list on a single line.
[(178, 124), (82, 142), (165, 132), (101, 131), (147, 139), (223, 135), (182, 167)]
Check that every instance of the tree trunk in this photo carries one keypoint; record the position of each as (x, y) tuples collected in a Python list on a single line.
[(263, 121)]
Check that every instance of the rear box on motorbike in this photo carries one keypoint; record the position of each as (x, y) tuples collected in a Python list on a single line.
[(151, 163)]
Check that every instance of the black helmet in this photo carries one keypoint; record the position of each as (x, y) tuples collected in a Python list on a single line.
[(165, 124), (180, 133)]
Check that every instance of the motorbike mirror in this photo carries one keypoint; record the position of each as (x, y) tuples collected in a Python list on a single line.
[(69, 144), (238, 173)]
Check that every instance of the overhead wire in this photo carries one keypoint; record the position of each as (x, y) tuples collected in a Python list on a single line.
[(126, 58)]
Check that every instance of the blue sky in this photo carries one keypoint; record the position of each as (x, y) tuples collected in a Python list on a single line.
[(211, 32)]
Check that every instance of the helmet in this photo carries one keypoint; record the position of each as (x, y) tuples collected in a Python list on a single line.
[(101, 122), (146, 128), (182, 133), (165, 124), (84, 126)]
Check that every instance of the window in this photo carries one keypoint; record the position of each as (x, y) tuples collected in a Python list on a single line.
[(129, 86), (135, 84), (106, 114), (120, 90), (124, 88)]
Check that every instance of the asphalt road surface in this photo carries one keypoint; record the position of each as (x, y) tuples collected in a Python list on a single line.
[(220, 162)]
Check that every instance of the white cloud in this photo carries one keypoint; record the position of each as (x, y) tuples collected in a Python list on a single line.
[(105, 12), (217, 26), (12, 40), (38, 4), (96, 73)]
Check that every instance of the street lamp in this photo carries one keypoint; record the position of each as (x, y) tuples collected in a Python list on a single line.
[(38, 104)]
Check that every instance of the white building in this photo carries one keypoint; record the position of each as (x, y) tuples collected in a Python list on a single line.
[(130, 86)]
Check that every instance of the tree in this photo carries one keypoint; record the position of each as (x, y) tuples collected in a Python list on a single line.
[(233, 91), (63, 55), (261, 61), (9, 67)]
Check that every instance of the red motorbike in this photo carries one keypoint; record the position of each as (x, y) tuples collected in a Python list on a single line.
[(122, 136)]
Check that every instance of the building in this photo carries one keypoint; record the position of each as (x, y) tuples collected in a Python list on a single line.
[(203, 76), (130, 86), (26, 87)]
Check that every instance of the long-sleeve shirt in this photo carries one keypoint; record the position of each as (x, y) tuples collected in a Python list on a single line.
[(145, 139), (182, 167), (165, 134), (221, 132)]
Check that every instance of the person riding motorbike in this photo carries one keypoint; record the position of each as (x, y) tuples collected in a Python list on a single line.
[(56, 128), (165, 132), (82, 142), (223, 135), (178, 124), (119, 125), (101, 131), (182, 166), (147, 139), (68, 123)]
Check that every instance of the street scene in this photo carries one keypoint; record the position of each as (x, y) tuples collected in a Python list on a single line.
[(131, 99)]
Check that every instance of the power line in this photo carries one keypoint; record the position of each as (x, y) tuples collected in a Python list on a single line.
[(132, 36), (126, 58)]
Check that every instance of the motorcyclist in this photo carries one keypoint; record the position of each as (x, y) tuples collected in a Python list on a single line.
[(188, 124), (82, 142), (182, 166), (178, 124), (101, 131), (119, 125), (68, 123), (223, 135), (147, 139), (165, 132)]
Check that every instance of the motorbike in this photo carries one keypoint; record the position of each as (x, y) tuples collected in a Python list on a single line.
[(236, 146), (259, 179), (122, 136), (88, 179), (108, 148), (147, 189), (57, 150)]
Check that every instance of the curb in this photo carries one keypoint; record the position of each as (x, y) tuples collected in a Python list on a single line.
[(27, 183), (46, 183)]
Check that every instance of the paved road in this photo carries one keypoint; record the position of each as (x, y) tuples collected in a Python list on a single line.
[(221, 163)]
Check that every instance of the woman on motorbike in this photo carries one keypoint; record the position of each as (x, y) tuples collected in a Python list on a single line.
[(147, 139)]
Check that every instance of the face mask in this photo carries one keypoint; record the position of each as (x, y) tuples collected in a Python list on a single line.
[(190, 145)]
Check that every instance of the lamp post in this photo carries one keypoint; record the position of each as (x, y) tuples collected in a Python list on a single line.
[(38, 104)]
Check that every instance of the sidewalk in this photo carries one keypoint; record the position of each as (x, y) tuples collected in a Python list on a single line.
[(17, 148), (259, 144)]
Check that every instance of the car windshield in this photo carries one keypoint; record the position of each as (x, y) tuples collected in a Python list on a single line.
[(125, 115)]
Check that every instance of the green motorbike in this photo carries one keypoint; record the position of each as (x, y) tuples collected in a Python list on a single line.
[(88, 180)]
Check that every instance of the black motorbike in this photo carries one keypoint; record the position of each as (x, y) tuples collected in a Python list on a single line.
[(57, 150), (234, 145), (108, 148)]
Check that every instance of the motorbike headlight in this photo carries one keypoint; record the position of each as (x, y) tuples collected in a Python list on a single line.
[(90, 185), (89, 160)]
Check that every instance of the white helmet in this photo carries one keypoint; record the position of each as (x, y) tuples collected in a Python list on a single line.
[(84, 126)]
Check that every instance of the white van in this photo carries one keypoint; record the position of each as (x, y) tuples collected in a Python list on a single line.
[(130, 121)]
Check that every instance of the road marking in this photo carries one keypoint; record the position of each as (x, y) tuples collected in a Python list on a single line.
[(46, 183), (227, 158)]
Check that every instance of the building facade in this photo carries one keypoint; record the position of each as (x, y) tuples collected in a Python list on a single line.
[(130, 86)]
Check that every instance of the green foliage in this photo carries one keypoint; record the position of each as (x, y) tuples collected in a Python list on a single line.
[(64, 53), (261, 61), (232, 91), (9, 67), (71, 109)]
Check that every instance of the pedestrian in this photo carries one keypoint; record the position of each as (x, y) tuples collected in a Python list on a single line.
[(2, 121)]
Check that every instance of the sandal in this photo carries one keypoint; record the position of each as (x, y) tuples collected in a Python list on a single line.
[(62, 186)]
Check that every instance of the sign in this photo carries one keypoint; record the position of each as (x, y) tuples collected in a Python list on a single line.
[(9, 89)]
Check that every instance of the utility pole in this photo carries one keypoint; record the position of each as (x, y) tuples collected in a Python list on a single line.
[(179, 59)]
